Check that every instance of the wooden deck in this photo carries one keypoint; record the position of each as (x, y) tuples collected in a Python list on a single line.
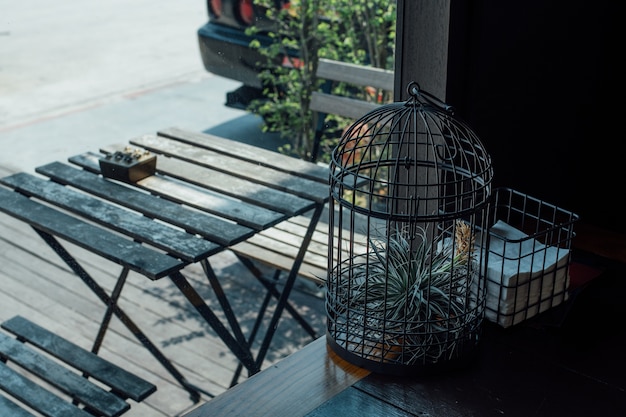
[(35, 283)]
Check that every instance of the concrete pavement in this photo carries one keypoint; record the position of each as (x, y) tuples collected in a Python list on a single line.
[(76, 75), (55, 56), (193, 104)]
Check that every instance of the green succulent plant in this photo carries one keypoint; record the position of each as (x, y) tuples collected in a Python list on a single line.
[(413, 301)]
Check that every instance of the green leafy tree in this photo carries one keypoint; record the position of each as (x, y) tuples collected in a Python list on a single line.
[(358, 32)]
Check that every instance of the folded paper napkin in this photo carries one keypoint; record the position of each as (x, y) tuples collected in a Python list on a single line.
[(524, 277)]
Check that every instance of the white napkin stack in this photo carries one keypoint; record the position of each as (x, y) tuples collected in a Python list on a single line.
[(524, 277)]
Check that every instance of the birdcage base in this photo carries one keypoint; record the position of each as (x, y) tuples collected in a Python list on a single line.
[(384, 359)]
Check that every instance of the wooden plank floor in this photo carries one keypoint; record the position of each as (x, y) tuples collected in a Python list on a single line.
[(35, 283)]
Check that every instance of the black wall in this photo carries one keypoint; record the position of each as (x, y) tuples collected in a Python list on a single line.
[(540, 82)]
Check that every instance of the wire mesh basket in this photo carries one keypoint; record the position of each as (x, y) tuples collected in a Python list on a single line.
[(410, 191), (528, 257)]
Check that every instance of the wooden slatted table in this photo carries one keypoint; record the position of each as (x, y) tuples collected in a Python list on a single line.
[(208, 194)]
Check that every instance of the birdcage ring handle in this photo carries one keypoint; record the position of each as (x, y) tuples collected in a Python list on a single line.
[(414, 90)]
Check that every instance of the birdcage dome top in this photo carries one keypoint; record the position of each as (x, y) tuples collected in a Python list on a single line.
[(412, 158)]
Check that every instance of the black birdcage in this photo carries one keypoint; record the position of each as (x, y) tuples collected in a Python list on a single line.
[(410, 195)]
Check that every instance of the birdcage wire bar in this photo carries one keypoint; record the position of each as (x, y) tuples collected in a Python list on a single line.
[(410, 193)]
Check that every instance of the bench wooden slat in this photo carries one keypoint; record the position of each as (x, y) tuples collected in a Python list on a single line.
[(212, 228), (259, 156), (325, 103), (118, 249), (292, 235), (122, 381), (341, 106), (37, 397), (278, 261), (355, 74), (59, 376), (179, 243), (288, 244), (9, 408), (279, 245), (298, 226)]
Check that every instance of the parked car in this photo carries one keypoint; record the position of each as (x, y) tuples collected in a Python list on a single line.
[(225, 47)]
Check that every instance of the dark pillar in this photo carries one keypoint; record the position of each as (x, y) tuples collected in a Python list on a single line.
[(422, 46)]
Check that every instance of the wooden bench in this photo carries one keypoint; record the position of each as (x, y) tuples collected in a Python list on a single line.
[(352, 74), (44, 372), (324, 102)]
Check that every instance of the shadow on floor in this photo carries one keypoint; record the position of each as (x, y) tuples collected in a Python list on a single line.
[(248, 129)]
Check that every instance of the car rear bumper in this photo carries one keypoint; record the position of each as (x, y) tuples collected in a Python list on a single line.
[(226, 52)]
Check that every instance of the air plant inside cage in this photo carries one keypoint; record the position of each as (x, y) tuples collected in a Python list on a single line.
[(411, 301)]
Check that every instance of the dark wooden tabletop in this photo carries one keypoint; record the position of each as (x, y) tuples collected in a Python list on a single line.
[(293, 387), (539, 368)]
